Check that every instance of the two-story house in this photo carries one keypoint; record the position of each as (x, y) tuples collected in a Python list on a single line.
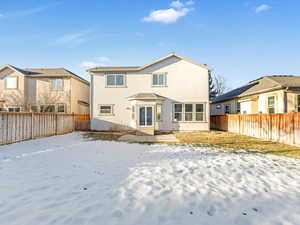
[(42, 90), (268, 94), (170, 94)]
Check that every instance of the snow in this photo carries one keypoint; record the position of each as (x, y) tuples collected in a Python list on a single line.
[(71, 180)]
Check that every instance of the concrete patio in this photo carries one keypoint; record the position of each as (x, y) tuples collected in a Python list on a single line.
[(162, 138)]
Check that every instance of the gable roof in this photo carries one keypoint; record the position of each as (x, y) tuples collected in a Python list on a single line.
[(139, 68), (49, 72), (263, 84)]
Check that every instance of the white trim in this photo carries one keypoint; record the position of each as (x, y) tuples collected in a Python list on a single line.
[(115, 85), (106, 114)]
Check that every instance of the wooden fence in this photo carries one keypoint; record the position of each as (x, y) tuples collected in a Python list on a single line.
[(15, 127), (284, 128)]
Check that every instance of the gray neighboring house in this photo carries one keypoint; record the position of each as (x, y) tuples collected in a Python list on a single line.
[(268, 94)]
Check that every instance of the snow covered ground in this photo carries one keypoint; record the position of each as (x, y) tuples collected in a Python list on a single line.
[(69, 180)]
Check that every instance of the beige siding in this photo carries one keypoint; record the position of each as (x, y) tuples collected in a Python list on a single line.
[(13, 97), (219, 108), (80, 92), (186, 83)]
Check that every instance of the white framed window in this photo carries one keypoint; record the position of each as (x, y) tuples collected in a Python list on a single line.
[(115, 80), (61, 108), (11, 82), (159, 79), (227, 109), (47, 108), (218, 106), (106, 109), (158, 112), (189, 112), (57, 84), (14, 109), (238, 107), (271, 104)]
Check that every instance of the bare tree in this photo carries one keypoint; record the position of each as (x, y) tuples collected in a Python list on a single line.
[(220, 85)]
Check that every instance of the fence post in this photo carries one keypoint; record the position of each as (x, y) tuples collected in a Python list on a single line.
[(73, 121), (56, 123)]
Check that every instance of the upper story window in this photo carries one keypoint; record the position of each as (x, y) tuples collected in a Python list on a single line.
[(115, 80), (271, 104), (11, 83), (57, 84), (159, 79)]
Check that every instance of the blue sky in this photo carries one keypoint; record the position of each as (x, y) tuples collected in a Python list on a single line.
[(241, 40)]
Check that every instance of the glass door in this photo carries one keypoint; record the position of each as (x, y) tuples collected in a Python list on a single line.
[(146, 116)]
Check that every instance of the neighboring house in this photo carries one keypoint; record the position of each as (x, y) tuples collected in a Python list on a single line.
[(42, 90), (166, 95), (268, 94)]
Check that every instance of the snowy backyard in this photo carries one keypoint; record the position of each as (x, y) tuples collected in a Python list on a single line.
[(72, 180)]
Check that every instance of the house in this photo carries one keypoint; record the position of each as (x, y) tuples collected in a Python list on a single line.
[(42, 90), (268, 94), (170, 94)]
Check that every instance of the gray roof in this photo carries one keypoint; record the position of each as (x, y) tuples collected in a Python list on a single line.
[(263, 84), (146, 96)]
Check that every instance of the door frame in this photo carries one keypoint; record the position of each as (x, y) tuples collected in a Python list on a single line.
[(153, 115)]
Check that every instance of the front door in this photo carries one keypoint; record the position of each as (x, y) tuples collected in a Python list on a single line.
[(146, 116)]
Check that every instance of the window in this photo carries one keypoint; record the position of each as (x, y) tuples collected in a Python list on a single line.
[(34, 109), (57, 84), (47, 108), (238, 107), (11, 82), (159, 79), (189, 112), (227, 109), (158, 112), (14, 109), (106, 109), (298, 103), (200, 112), (115, 80), (218, 106), (178, 109), (133, 112), (61, 108), (271, 104), (188, 109)]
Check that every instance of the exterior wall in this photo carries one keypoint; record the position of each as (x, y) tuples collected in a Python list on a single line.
[(279, 101), (186, 83), (249, 105), (13, 97), (40, 92), (80, 91), (219, 108), (292, 101)]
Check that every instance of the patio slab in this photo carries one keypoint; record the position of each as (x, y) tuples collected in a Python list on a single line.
[(167, 138)]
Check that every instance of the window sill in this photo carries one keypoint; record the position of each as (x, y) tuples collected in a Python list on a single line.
[(159, 86), (189, 121)]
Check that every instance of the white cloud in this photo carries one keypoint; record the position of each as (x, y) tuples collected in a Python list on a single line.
[(74, 38), (177, 4), (99, 61), (191, 2), (262, 8), (166, 16)]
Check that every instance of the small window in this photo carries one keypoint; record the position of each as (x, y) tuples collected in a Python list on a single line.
[(159, 79), (57, 84), (200, 112), (14, 109), (298, 103), (188, 109), (227, 109), (271, 104), (178, 108), (106, 110), (133, 112), (34, 109), (115, 80), (218, 106), (47, 108), (11, 82), (61, 108), (158, 112), (238, 107)]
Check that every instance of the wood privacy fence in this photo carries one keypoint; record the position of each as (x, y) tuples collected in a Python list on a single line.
[(284, 128), (15, 127)]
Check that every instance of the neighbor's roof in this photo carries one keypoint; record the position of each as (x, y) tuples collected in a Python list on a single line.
[(146, 96), (49, 72), (139, 68), (263, 84)]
